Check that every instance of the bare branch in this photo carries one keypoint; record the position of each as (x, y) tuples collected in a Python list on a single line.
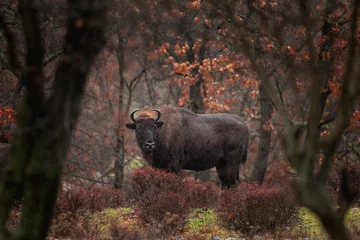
[(349, 92)]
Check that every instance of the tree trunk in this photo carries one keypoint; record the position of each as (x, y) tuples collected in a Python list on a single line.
[(261, 161), (119, 162), (45, 126), (4, 152), (196, 100), (120, 158)]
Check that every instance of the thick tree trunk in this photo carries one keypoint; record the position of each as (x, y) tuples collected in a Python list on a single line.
[(45, 126), (119, 163), (4, 152), (120, 158), (315, 196), (261, 161)]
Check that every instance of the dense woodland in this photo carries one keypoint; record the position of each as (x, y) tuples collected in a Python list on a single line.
[(72, 71)]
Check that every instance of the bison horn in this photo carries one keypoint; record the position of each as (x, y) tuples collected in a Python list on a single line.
[(132, 115), (159, 114)]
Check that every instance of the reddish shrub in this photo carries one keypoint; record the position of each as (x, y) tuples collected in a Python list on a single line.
[(202, 194), (254, 209), (158, 195), (334, 178), (105, 197), (119, 232), (334, 194), (14, 216), (75, 199), (334, 181), (67, 225), (150, 179), (354, 176), (71, 200), (73, 206), (154, 205)]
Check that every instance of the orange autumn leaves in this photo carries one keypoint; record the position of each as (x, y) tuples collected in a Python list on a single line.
[(7, 117), (218, 76)]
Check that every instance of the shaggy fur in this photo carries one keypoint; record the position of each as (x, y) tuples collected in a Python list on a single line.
[(185, 140)]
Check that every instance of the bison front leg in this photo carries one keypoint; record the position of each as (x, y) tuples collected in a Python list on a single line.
[(169, 162), (174, 162)]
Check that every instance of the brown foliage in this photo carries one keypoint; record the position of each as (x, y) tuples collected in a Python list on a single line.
[(14, 216), (161, 199), (119, 232), (334, 182), (75, 204), (68, 224), (76, 199), (7, 119), (254, 209), (202, 194)]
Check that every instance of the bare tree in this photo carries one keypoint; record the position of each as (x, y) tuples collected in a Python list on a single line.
[(123, 110), (45, 125), (302, 153)]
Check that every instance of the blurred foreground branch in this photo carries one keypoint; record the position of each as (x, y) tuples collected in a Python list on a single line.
[(45, 126)]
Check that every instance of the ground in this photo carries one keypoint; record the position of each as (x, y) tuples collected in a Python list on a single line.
[(203, 222)]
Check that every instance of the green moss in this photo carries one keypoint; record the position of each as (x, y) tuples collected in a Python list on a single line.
[(204, 223), (135, 163), (125, 211), (199, 220), (310, 224), (100, 222)]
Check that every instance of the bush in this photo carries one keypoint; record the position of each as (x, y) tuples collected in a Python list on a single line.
[(71, 201), (77, 199), (14, 216), (354, 176), (150, 179), (67, 225), (120, 232), (254, 209), (334, 182), (74, 206), (161, 199), (106, 197), (202, 194)]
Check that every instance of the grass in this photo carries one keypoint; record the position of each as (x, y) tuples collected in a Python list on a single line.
[(99, 222), (310, 224), (203, 223)]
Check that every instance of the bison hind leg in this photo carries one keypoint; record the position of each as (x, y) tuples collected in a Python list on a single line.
[(228, 167), (229, 175)]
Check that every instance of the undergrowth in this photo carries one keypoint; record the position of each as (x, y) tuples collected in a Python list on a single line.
[(254, 209), (161, 205)]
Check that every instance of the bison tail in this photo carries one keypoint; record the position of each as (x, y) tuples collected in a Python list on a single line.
[(244, 156)]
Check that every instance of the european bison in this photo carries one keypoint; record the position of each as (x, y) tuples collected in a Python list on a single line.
[(175, 138)]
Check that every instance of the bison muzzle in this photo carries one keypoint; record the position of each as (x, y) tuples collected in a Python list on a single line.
[(175, 138)]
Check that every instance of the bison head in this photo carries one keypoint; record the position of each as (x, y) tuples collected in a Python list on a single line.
[(145, 128)]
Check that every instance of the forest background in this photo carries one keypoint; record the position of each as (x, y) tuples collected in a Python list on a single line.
[(289, 68)]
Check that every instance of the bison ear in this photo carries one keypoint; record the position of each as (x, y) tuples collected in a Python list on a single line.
[(131, 125), (159, 124)]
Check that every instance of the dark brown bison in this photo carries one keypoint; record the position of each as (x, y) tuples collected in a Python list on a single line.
[(175, 138)]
